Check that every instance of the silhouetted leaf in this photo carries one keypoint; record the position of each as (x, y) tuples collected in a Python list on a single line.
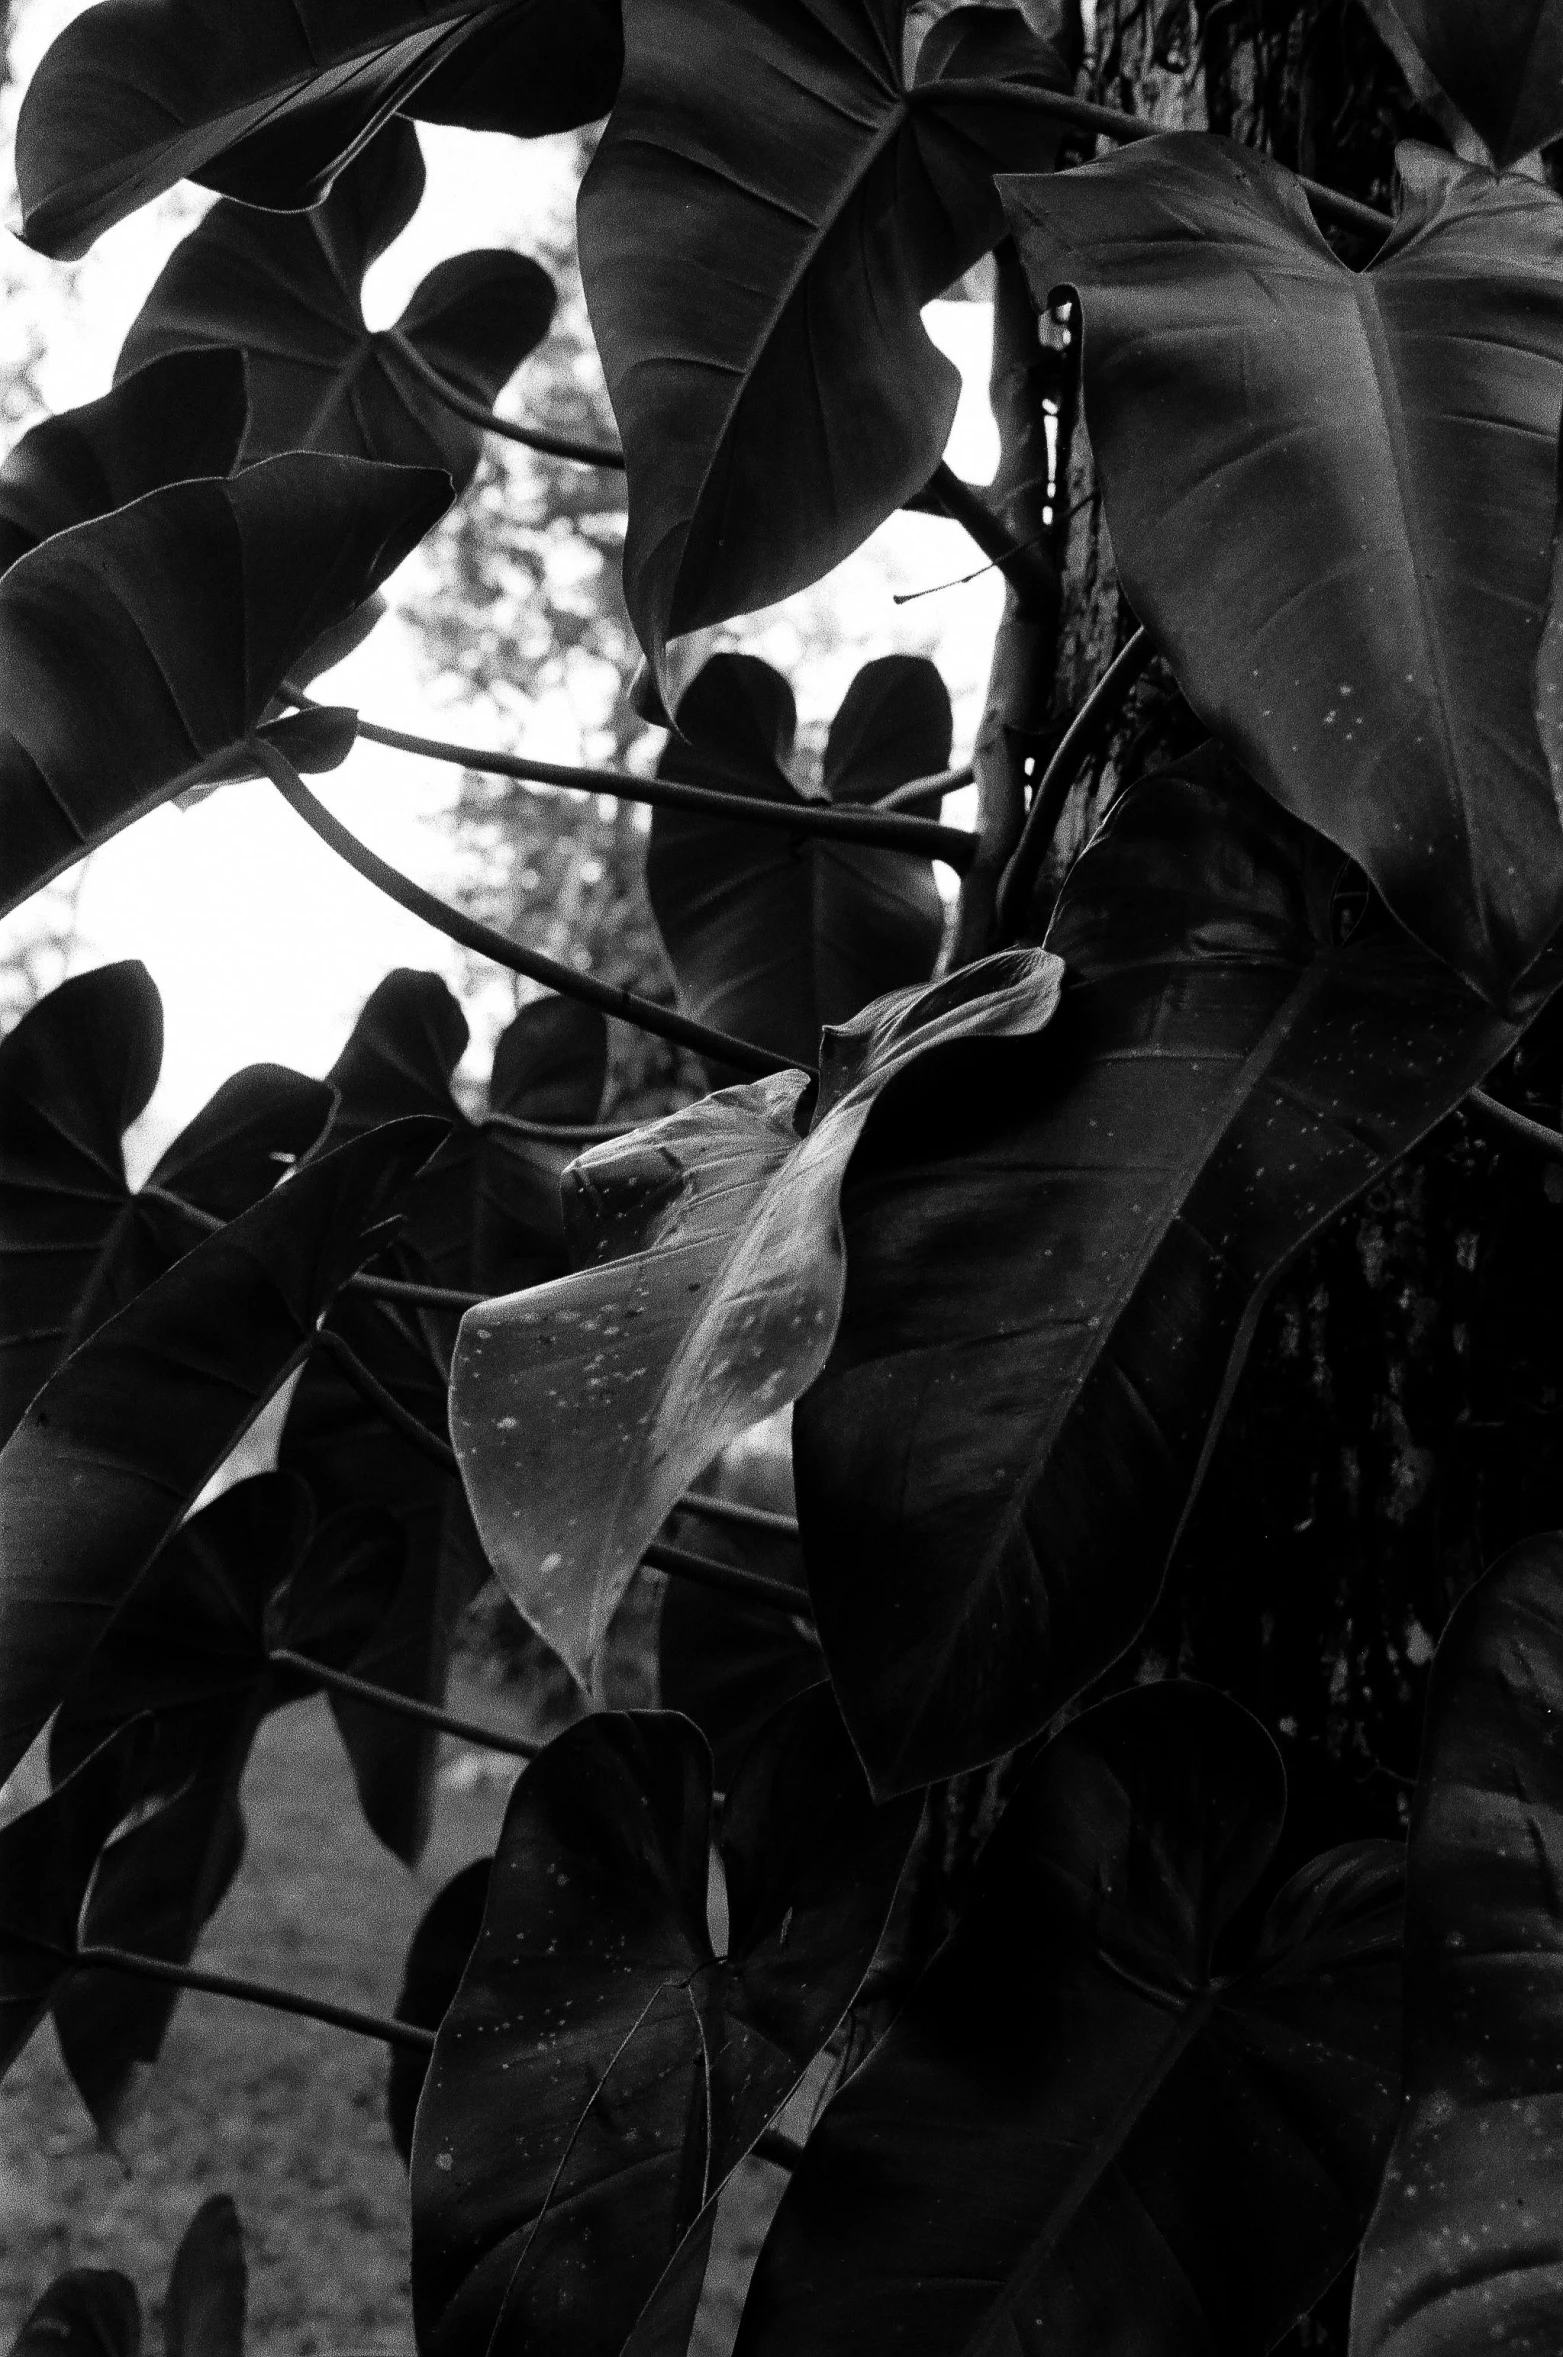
[(268, 103), (436, 1960), (769, 208), (203, 2315), (143, 647), (1339, 534), (725, 1663), (86, 2312), (993, 1466), (709, 1297), (602, 2071), (288, 291), (1464, 2250), (1079, 2136), (771, 936), (1499, 66), (121, 1440), (182, 416)]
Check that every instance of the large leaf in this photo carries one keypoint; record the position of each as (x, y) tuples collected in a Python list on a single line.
[(1499, 66), (182, 416), (1079, 2135), (994, 1464), (1339, 534), (86, 2312), (602, 2069), (120, 1441), (771, 937), (142, 646), (770, 206), (288, 291), (1465, 2250), (708, 1298), (268, 102), (437, 1957)]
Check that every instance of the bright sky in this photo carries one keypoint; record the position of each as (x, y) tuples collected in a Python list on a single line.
[(262, 943)]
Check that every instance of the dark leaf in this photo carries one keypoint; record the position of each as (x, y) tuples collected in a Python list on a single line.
[(529, 69), (1499, 67), (1079, 2136), (74, 1074), (86, 2312), (706, 1294), (993, 1466), (147, 644), (725, 1663), (123, 1437), (602, 2071), (182, 416), (769, 209), (1465, 2251), (1339, 535), (288, 291), (771, 936), (203, 2315), (436, 1960)]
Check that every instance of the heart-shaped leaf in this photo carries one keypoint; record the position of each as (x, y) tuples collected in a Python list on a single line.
[(1339, 535), (602, 2069), (181, 416), (770, 206), (1499, 67), (288, 291), (269, 103), (437, 1957), (86, 2312), (993, 1466), (1464, 2250), (123, 1437), (772, 937), (1079, 2135), (208, 2285), (707, 1290), (144, 646)]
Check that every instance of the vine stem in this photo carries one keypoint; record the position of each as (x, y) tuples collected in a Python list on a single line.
[(1519, 1125), (1089, 725), (384, 1401), (248, 1992), (404, 1706), (744, 1517), (706, 1572), (663, 1022), (890, 831), (477, 413)]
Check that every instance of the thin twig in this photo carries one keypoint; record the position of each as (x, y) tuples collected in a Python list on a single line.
[(663, 1022), (385, 1402), (1519, 1125), (828, 820), (403, 1706), (477, 413), (1026, 572), (706, 1572), (746, 1517), (1089, 725), (223, 1984)]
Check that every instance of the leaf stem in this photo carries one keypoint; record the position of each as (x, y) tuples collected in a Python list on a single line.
[(706, 1572), (1023, 567), (248, 1992), (386, 1698), (1084, 733), (1519, 1125), (918, 790), (477, 413), (384, 1401), (891, 831), (746, 1517), (415, 1296), (663, 1022)]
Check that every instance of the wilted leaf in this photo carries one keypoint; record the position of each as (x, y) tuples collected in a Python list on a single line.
[(1079, 2135), (995, 1462), (770, 936), (122, 1439), (288, 291), (1465, 2250), (203, 2315), (1499, 65), (180, 417), (86, 2312), (770, 206), (602, 2070), (437, 1957), (709, 1297), (145, 645), (1340, 533)]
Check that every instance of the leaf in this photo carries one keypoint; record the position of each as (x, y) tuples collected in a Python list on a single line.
[(121, 1440), (995, 1462), (1500, 67), (706, 1296), (288, 291), (203, 2315), (143, 646), (437, 1958), (182, 416), (86, 2312), (769, 208), (771, 936), (268, 105), (725, 1663), (1079, 2135), (1464, 2249), (602, 2070), (1342, 541)]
